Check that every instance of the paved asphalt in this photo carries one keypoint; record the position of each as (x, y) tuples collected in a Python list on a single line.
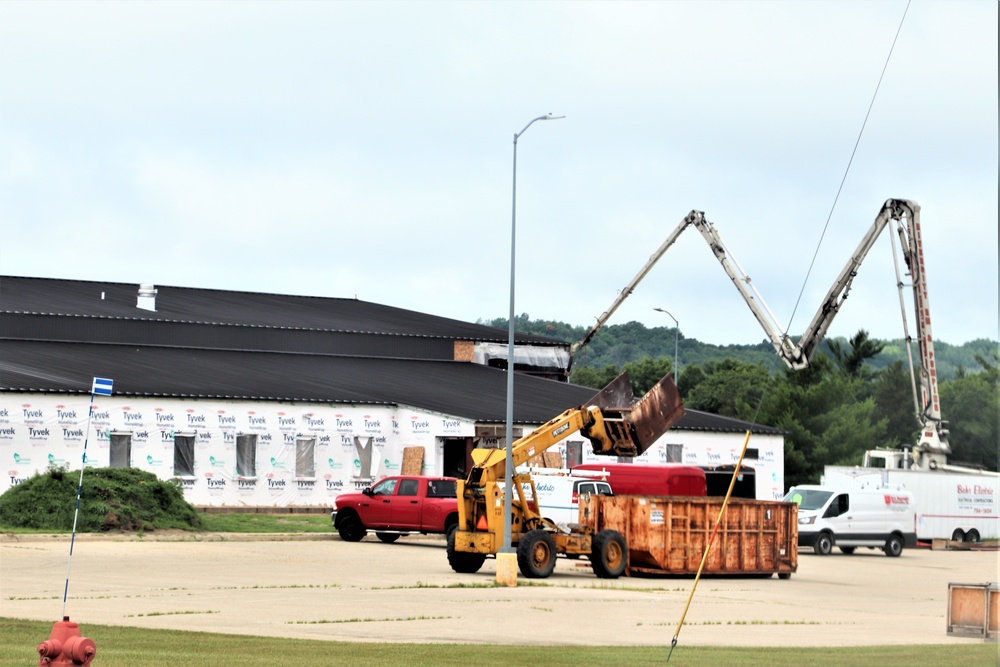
[(324, 588)]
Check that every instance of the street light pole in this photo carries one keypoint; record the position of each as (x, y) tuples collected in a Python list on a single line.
[(506, 561), (677, 328)]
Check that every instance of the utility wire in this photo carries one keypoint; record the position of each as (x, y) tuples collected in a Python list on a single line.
[(836, 198), (767, 383), (848, 169)]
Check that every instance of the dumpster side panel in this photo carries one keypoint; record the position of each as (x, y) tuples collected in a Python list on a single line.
[(668, 535)]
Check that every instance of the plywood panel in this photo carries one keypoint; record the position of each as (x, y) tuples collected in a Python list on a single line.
[(413, 461), (973, 610)]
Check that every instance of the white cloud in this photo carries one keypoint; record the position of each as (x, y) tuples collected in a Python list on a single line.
[(365, 148)]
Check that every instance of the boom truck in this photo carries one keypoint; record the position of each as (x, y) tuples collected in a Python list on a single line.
[(953, 501), (614, 426)]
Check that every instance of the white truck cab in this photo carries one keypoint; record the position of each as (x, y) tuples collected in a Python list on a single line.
[(848, 518)]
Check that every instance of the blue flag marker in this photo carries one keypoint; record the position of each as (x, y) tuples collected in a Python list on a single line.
[(102, 386)]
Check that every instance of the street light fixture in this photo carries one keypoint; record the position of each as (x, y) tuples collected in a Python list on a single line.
[(677, 327), (506, 556)]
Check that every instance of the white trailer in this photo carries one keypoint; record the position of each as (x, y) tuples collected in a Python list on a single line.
[(950, 505)]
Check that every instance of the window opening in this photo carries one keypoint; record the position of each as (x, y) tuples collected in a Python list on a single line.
[(246, 455), (184, 454), (675, 453), (305, 457), (121, 449)]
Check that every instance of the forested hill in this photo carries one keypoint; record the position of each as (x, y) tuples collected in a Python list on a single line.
[(856, 394), (620, 344)]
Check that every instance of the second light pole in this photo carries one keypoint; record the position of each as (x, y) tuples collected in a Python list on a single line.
[(677, 328), (507, 558)]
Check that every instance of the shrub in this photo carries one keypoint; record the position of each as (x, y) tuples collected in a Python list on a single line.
[(125, 499)]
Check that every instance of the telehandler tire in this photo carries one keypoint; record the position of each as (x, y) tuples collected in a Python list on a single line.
[(536, 554), (463, 562), (608, 554)]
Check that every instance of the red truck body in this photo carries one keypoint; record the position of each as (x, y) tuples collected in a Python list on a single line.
[(396, 506), (637, 479)]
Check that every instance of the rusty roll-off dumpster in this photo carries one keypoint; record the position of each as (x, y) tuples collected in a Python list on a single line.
[(667, 535)]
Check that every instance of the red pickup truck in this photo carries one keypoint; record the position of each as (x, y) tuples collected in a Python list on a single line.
[(396, 506)]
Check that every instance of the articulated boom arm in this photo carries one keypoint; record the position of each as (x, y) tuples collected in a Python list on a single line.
[(933, 442), (893, 209), (798, 355), (628, 289), (783, 345), (795, 355), (932, 445)]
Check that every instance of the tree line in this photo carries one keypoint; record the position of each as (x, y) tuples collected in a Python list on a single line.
[(856, 394)]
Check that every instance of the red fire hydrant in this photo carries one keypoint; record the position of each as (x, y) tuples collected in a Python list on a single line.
[(65, 647)]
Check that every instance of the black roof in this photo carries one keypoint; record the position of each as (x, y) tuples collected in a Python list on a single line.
[(84, 298), (57, 335), (461, 389)]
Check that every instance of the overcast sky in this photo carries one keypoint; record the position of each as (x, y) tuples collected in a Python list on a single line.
[(364, 150)]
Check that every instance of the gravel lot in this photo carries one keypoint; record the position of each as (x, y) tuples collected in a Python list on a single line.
[(324, 588)]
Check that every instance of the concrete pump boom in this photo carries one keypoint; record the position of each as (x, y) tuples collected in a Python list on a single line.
[(933, 444)]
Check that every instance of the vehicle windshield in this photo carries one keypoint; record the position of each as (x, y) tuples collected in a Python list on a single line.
[(808, 499)]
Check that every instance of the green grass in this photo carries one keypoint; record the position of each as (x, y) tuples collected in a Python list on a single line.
[(229, 523), (267, 523), (132, 647)]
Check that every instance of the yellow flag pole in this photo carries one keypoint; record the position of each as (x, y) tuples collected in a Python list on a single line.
[(708, 546)]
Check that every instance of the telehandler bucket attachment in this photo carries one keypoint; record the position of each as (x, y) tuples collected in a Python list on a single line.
[(645, 420)]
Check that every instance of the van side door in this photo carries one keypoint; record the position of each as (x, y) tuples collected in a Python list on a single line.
[(838, 514)]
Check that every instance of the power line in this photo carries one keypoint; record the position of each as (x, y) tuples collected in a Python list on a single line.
[(848, 169), (843, 180)]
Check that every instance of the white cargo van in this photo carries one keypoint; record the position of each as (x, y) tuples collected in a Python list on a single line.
[(950, 505), (850, 518)]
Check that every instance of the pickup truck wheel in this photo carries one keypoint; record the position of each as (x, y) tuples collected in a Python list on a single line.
[(972, 536), (351, 529), (536, 554), (463, 562), (608, 554), (847, 550), (893, 546), (824, 544), (388, 538)]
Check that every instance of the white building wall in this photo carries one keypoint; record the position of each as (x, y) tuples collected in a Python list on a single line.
[(39, 430)]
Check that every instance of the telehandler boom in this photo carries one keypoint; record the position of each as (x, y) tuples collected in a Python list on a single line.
[(615, 426)]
